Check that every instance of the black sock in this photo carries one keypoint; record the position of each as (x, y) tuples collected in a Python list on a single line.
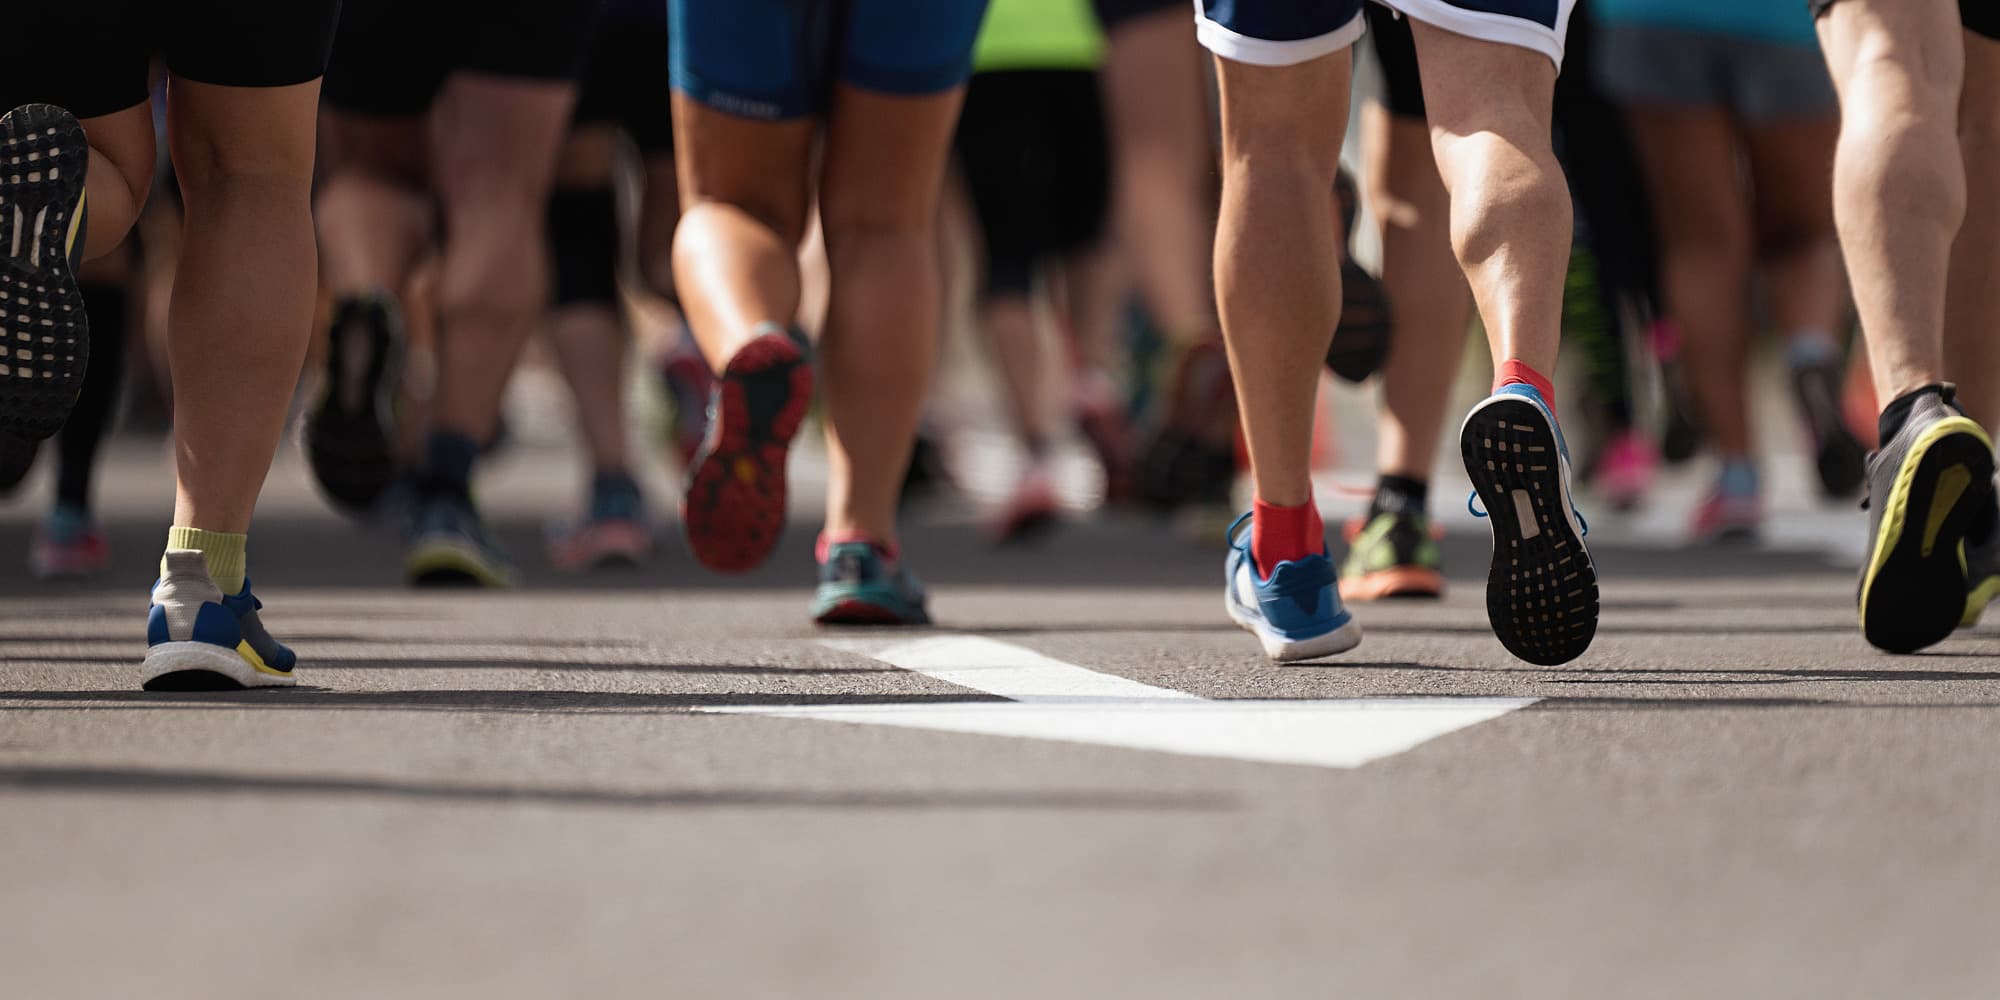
[(1400, 495), (1898, 411), (447, 465)]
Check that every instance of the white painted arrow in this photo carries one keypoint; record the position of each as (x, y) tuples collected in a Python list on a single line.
[(1053, 700)]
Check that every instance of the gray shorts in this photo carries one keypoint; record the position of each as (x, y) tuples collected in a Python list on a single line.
[(1752, 79)]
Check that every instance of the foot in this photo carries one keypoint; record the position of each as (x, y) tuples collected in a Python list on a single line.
[(1727, 519), (1837, 455), (44, 334), (200, 639), (735, 504), (68, 546), (1625, 470), (1391, 555), (1030, 512), (449, 547), (1924, 488), (688, 384), (1295, 612), (613, 534), (1541, 591), (859, 584), (350, 430)]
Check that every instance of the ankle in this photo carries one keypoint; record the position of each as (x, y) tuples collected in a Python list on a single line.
[(1284, 534)]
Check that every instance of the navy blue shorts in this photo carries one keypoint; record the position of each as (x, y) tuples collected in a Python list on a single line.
[(779, 59), (1286, 32)]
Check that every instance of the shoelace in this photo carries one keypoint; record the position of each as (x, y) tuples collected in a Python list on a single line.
[(1472, 505)]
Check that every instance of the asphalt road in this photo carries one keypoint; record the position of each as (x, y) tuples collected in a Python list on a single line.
[(555, 792)]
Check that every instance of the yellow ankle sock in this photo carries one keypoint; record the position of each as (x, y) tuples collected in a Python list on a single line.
[(222, 550)]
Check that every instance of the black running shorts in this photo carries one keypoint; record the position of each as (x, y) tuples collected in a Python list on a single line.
[(1031, 146), (391, 57), (94, 57), (1979, 16), (1396, 51), (627, 82)]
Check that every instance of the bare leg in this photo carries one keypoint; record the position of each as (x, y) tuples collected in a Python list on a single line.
[(879, 194), (743, 200), (495, 140), (659, 214), (589, 337), (1972, 302), (1156, 102), (1702, 219), (1490, 107), (243, 295), (373, 207), (1432, 303), (1277, 279), (1008, 322), (1899, 185), (1797, 247), (121, 172)]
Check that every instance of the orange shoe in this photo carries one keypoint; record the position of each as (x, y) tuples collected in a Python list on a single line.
[(1391, 555)]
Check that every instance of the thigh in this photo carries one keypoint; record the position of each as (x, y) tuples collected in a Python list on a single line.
[(1690, 158), (1791, 176), (217, 130), (494, 142), (884, 160), (1535, 25), (1470, 81), (1917, 41)]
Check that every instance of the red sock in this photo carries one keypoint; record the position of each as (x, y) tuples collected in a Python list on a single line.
[(1284, 534), (1518, 373)]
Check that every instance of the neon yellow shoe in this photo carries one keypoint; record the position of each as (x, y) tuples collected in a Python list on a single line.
[(1925, 486)]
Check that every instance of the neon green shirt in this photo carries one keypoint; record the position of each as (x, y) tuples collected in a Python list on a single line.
[(1038, 34)]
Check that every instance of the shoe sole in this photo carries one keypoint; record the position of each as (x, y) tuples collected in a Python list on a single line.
[(734, 508), (861, 611), (44, 332), (1398, 581), (349, 448), (1541, 591), (1913, 592), (451, 563), (202, 666), (1287, 650), (1977, 599)]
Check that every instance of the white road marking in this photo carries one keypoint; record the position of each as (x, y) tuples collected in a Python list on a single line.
[(1053, 700)]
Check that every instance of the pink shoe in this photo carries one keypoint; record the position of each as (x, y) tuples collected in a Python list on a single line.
[(1625, 470), (1030, 512), (68, 549), (1723, 518)]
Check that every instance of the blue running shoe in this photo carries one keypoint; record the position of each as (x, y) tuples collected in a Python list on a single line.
[(1296, 611), (200, 639), (858, 585), (1541, 592), (449, 548)]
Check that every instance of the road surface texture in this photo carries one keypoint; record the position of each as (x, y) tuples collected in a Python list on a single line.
[(669, 784)]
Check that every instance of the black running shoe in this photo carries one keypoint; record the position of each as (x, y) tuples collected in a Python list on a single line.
[(1191, 460), (1925, 486), (350, 432), (44, 335), (1360, 344), (1837, 454)]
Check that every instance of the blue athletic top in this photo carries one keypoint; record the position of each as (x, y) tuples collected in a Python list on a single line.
[(1787, 22)]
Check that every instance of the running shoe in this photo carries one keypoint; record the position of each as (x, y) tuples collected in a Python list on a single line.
[(1391, 555), (613, 534), (17, 458), (735, 505), (1295, 613), (1625, 470), (44, 334), (350, 430), (449, 547), (68, 546), (200, 639), (689, 385), (1726, 518), (1030, 512), (1982, 577), (1100, 415), (860, 584), (1837, 455), (1541, 591), (1924, 488)]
